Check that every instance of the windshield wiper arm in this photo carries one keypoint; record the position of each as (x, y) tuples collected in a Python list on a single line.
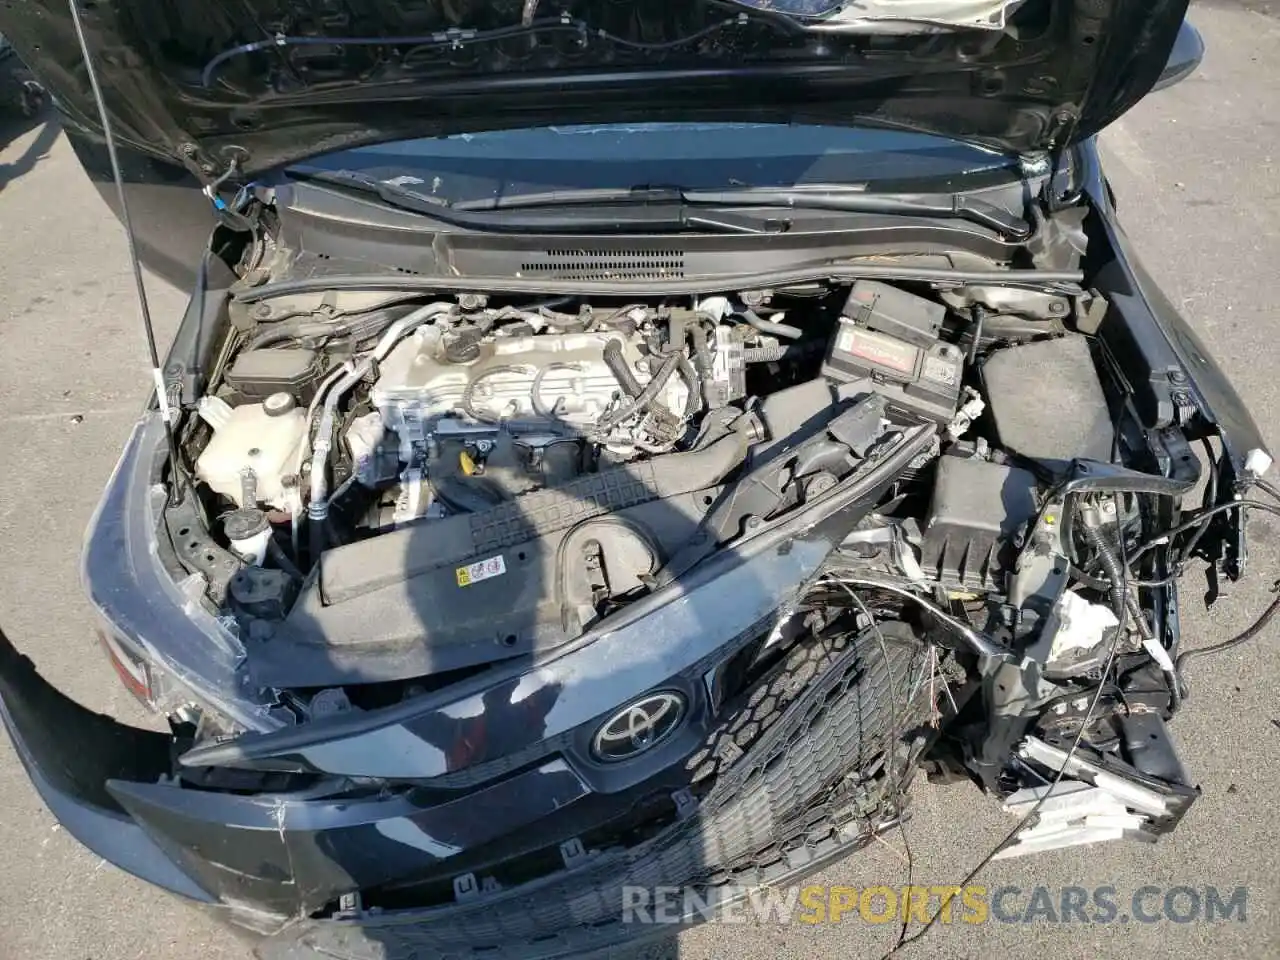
[(952, 206), (603, 211), (661, 209), (836, 198)]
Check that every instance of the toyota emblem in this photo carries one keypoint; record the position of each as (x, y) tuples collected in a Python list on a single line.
[(639, 726)]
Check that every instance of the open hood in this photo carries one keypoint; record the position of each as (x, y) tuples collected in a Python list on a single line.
[(263, 83)]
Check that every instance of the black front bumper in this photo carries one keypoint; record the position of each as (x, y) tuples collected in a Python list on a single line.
[(785, 805)]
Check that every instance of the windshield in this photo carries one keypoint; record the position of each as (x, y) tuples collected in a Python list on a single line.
[(712, 156)]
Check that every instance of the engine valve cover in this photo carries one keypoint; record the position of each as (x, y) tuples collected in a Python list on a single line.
[(560, 378)]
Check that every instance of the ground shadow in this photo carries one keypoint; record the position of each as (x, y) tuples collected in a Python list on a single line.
[(14, 126)]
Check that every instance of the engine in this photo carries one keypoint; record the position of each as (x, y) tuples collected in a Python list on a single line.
[(560, 383), (480, 404), (470, 413)]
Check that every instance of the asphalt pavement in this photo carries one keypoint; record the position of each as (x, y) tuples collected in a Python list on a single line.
[(1197, 172)]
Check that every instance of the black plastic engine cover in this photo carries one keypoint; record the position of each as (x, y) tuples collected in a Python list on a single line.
[(513, 599)]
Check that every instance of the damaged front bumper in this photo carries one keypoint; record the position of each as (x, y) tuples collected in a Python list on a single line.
[(296, 866)]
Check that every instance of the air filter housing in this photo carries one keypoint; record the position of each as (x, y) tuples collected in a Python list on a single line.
[(1046, 400), (976, 511)]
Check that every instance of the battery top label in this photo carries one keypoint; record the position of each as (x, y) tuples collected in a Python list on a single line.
[(878, 349)]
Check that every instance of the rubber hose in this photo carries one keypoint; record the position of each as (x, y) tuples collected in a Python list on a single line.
[(705, 465), (318, 540), (701, 352), (771, 327), (1110, 565), (693, 399), (617, 365), (979, 315)]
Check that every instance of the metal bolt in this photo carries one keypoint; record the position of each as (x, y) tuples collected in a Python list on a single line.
[(1034, 163), (248, 486), (484, 446), (1057, 306), (262, 310), (1177, 376)]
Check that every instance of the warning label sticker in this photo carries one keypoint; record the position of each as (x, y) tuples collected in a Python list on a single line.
[(481, 570)]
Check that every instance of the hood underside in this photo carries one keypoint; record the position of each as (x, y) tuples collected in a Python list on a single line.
[(269, 82)]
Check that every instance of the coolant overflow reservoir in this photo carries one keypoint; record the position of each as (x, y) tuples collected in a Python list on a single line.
[(262, 437)]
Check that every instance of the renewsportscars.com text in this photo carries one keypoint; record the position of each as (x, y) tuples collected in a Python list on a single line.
[(973, 904)]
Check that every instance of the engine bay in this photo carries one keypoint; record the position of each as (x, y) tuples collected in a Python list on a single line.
[(402, 490)]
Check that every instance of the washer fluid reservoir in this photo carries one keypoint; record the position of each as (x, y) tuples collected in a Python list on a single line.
[(262, 437)]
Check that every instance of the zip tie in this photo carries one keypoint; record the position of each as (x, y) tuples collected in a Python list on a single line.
[(162, 395)]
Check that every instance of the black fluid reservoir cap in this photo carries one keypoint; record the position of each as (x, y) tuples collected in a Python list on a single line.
[(244, 523)]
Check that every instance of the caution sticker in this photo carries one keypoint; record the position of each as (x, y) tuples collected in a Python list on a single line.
[(481, 570)]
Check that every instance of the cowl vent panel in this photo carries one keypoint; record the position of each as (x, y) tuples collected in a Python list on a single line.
[(579, 264)]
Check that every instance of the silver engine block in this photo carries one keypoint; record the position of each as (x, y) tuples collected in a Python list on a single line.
[(527, 379)]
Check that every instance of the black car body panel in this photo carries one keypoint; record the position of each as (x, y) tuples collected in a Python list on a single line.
[(1155, 337), (70, 774), (210, 89)]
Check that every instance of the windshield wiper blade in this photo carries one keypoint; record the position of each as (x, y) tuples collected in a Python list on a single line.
[(662, 209), (585, 211), (843, 199), (835, 197)]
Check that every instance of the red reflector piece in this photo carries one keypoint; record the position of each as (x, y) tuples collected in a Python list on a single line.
[(133, 673)]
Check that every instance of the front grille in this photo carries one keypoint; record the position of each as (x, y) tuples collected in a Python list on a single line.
[(810, 787), (584, 264)]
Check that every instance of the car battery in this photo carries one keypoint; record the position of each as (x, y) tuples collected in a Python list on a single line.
[(889, 336)]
